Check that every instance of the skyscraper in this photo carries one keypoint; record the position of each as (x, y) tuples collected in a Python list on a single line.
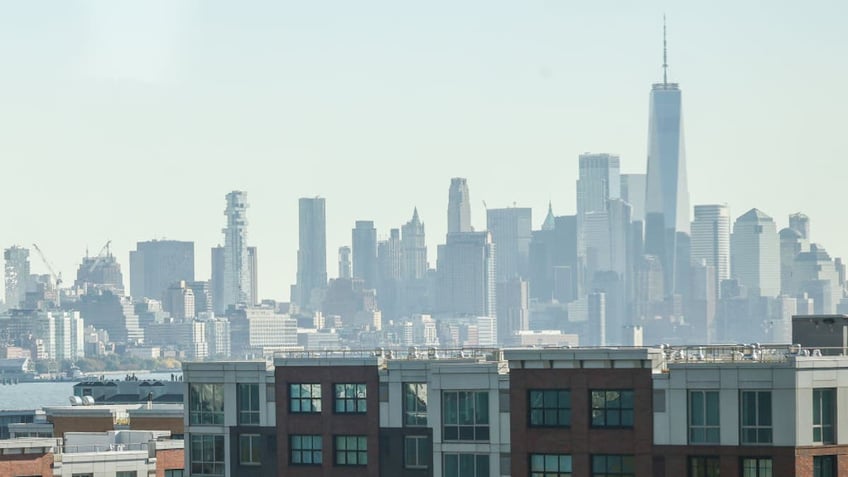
[(600, 180), (155, 265), (466, 274), (236, 276), (801, 223), (413, 249), (253, 272), (667, 192), (633, 192), (16, 275), (755, 254), (364, 241), (216, 284), (511, 234), (711, 240), (344, 263), (312, 250), (459, 206)]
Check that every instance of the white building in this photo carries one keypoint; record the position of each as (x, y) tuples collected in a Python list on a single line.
[(711, 239)]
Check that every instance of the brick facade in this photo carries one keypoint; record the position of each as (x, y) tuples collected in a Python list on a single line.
[(169, 459), (26, 464)]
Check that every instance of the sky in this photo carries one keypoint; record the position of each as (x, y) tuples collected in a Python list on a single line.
[(129, 121)]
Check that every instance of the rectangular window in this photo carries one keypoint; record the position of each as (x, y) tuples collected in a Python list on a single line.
[(351, 450), (824, 466), (250, 446), (306, 450), (550, 465), (206, 404), (756, 417), (612, 408), (304, 398), (465, 415), (126, 473), (704, 467), (416, 452), (248, 404), (173, 472), (350, 398), (465, 465), (613, 465), (207, 454), (414, 404), (756, 467), (703, 417), (824, 408), (550, 407)]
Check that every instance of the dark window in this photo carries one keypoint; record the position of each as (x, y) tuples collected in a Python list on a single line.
[(550, 407), (465, 415), (206, 404), (756, 467), (466, 465), (351, 450), (613, 466), (414, 404), (173, 472), (350, 398), (249, 449), (703, 417), (306, 450), (248, 404), (416, 452), (703, 466), (304, 398), (824, 466), (126, 473), (207, 454), (550, 465), (612, 408), (756, 417), (824, 411)]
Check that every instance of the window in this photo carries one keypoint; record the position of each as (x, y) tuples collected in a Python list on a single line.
[(466, 465), (126, 473), (823, 415), (82, 475), (351, 450), (613, 466), (207, 454), (703, 417), (304, 398), (248, 404), (306, 450), (249, 449), (824, 466), (173, 472), (756, 417), (703, 467), (756, 467), (414, 404), (550, 465), (416, 452), (350, 398), (550, 408), (206, 404), (465, 415), (612, 408)]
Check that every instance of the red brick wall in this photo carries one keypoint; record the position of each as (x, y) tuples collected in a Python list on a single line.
[(169, 459), (730, 458), (175, 425), (26, 464), (61, 425), (804, 459)]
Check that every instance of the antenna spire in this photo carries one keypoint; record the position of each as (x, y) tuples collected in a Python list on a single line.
[(665, 56)]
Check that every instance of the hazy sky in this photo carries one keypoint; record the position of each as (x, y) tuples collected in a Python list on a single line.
[(131, 120)]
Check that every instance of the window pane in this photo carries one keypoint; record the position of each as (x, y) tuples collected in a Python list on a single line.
[(712, 415), (696, 415)]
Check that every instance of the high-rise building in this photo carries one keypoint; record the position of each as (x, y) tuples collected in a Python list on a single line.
[(459, 206), (511, 234), (344, 263), (466, 274), (816, 274), (791, 244), (513, 306), (202, 296), (236, 276), (101, 272), (667, 192), (253, 272), (216, 284), (755, 254), (311, 252), (599, 181), (550, 219), (364, 241), (413, 249), (16, 275), (389, 264), (801, 223), (711, 240), (179, 301), (633, 192), (155, 265)]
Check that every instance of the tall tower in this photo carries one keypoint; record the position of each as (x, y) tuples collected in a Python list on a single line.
[(466, 274), (312, 250), (16, 275), (511, 234), (155, 265), (755, 254), (344, 263), (459, 206), (667, 192), (600, 181), (711, 239), (236, 277), (413, 249), (364, 241), (801, 223)]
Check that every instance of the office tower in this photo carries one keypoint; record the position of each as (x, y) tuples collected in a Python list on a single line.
[(16, 275), (666, 189), (550, 219), (389, 264), (459, 206), (633, 192), (216, 284), (364, 241), (801, 223), (791, 244), (414, 248), (236, 274), (703, 300), (103, 309), (511, 234), (155, 265), (344, 263), (755, 254), (513, 305), (814, 273), (179, 301), (599, 181), (253, 273), (101, 272), (202, 296), (606, 239), (312, 251), (218, 337), (556, 266), (711, 240), (466, 274), (597, 317)]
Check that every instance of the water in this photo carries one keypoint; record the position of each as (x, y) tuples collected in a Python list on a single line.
[(38, 395)]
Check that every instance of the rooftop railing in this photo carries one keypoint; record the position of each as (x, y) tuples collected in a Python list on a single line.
[(744, 353), (410, 353)]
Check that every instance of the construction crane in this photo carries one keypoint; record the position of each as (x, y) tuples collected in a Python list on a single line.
[(57, 278), (104, 252)]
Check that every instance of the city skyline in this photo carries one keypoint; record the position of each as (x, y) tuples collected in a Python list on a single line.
[(548, 155)]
